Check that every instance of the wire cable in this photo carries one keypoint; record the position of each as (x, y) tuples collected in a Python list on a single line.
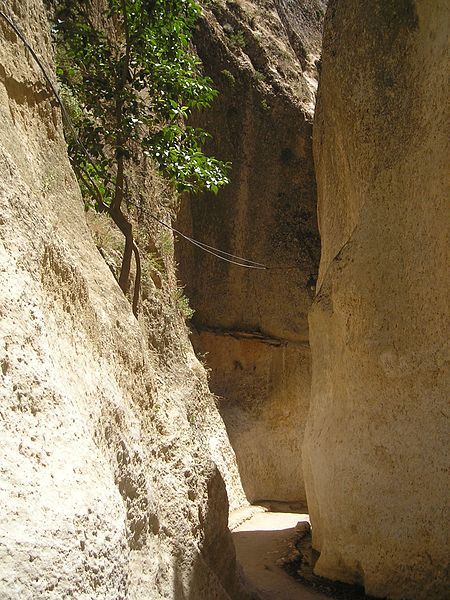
[(220, 254), (211, 249), (41, 66)]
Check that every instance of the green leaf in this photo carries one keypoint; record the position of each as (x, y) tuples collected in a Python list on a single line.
[(138, 85)]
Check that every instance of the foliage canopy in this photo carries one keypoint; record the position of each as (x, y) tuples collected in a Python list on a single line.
[(130, 80)]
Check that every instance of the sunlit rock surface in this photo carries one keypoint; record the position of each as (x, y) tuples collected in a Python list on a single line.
[(377, 439), (108, 489)]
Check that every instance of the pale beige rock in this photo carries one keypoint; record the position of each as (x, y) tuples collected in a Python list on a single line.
[(253, 323), (264, 400), (107, 487), (377, 439)]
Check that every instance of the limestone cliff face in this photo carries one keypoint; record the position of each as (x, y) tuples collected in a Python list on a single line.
[(377, 443), (252, 324), (108, 431)]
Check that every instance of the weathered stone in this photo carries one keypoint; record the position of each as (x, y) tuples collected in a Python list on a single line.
[(264, 391), (107, 490), (252, 323), (377, 439)]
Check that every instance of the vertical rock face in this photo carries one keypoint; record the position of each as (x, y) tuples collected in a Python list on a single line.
[(107, 485), (377, 439), (251, 323)]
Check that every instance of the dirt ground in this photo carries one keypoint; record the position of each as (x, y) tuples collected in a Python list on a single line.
[(273, 547), (261, 543)]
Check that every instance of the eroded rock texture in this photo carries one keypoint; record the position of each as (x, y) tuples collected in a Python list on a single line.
[(377, 440), (250, 323), (108, 489)]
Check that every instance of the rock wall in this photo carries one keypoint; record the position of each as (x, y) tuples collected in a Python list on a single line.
[(377, 439), (108, 431), (251, 324)]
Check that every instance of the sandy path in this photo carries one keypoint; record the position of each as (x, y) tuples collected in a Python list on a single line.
[(260, 541)]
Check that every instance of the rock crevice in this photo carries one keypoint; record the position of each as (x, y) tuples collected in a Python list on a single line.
[(251, 324)]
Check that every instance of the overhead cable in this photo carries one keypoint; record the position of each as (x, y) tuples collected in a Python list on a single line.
[(220, 254)]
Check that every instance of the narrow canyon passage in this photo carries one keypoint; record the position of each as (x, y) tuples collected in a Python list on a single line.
[(262, 541), (249, 325), (169, 452), (368, 421)]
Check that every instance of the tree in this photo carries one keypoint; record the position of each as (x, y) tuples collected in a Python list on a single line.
[(132, 81)]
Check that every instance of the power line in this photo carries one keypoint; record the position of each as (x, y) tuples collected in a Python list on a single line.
[(220, 254), (211, 250)]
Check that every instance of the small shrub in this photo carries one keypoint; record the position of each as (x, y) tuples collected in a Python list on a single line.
[(133, 88), (152, 271), (151, 262), (259, 76), (166, 244), (237, 39), (105, 235), (228, 75), (182, 302)]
